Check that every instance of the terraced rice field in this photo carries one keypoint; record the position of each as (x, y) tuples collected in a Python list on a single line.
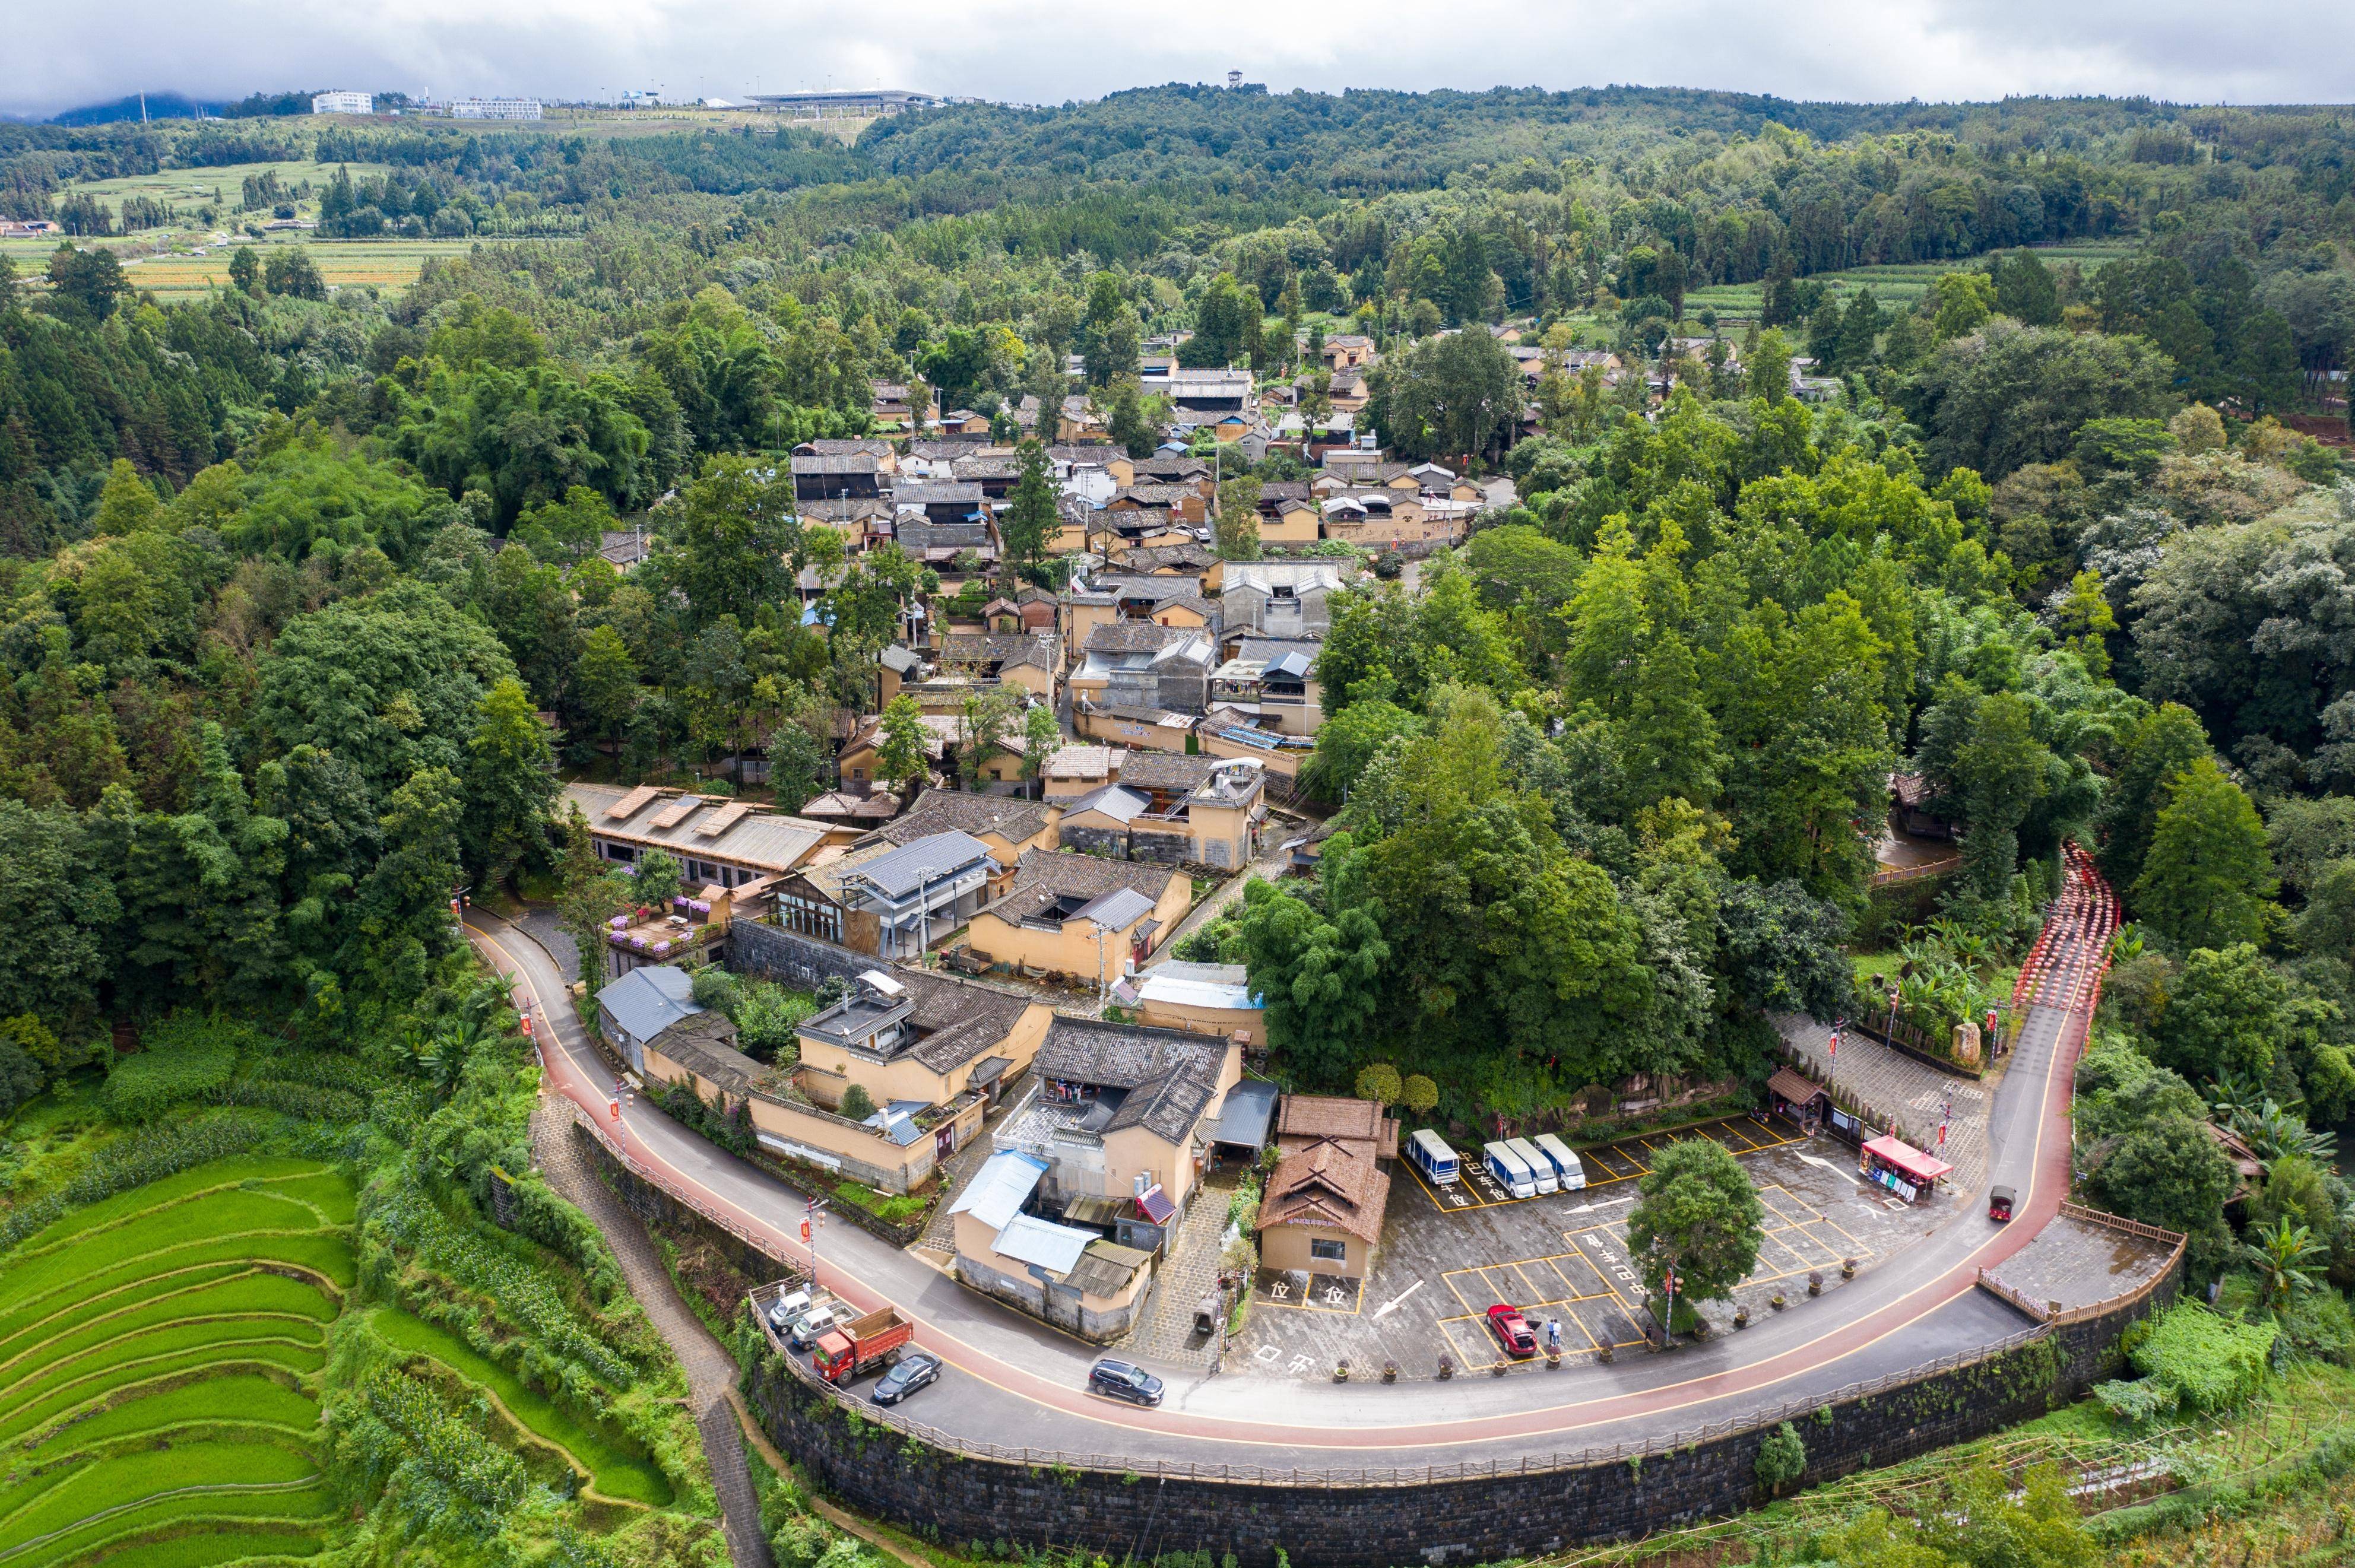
[(613, 1473), (156, 1356)]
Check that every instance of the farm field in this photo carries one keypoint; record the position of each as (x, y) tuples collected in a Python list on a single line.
[(385, 264), (611, 1473), (188, 187), (157, 1356), (1901, 285)]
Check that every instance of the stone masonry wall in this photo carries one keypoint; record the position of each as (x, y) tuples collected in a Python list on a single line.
[(958, 1499), (772, 952)]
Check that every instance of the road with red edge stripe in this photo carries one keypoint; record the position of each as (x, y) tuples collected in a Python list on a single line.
[(1016, 1383)]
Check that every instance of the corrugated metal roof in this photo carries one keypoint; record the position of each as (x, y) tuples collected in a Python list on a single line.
[(1197, 985), (647, 1000), (1030, 1239), (912, 866), (1116, 910), (1000, 1188), (1248, 1113)]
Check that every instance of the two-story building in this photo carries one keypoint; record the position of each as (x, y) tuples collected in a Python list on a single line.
[(1080, 915), (912, 1038), (1122, 1109), (716, 839)]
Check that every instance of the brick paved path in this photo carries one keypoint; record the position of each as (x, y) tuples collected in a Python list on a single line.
[(710, 1370), (1868, 1071), (1165, 1331)]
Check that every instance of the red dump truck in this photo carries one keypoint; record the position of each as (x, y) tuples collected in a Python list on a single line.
[(862, 1345)]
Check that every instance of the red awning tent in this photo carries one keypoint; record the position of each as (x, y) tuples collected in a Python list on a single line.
[(1919, 1168)]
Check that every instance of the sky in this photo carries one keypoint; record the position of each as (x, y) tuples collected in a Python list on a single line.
[(1049, 51)]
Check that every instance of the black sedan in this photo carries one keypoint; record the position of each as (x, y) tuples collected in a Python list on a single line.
[(913, 1372), (1118, 1379)]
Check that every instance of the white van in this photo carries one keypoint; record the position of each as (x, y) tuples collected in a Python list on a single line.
[(1541, 1168), (1433, 1158), (1511, 1172), (1565, 1163)]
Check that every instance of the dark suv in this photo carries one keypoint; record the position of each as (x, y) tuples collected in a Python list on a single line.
[(1118, 1379)]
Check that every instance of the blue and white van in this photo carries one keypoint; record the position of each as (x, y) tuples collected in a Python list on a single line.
[(1541, 1168), (1433, 1158), (1566, 1164), (1511, 1172)]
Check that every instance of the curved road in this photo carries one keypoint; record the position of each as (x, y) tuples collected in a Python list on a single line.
[(1014, 1382)]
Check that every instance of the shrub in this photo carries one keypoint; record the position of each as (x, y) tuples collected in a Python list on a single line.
[(187, 1058), (2198, 1362), (1782, 1458), (857, 1103)]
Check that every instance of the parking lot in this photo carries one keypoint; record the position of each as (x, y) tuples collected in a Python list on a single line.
[(1450, 1253)]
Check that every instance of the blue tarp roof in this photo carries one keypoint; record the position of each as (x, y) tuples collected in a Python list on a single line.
[(1000, 1188)]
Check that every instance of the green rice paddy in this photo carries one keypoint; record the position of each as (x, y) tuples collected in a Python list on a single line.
[(157, 1356), (1901, 285)]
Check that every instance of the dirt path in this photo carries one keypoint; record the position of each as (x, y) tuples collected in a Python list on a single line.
[(710, 1370)]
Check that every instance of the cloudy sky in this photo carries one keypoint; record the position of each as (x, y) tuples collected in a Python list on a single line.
[(2243, 51)]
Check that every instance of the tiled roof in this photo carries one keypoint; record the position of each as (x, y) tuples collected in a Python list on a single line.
[(1002, 649), (836, 462), (1329, 1116), (1042, 876), (1138, 637), (1329, 1185), (710, 828), (1171, 1074), (959, 1021), (939, 810), (1172, 772)]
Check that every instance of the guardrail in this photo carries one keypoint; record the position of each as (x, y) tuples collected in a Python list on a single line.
[(1361, 1477), (621, 1157)]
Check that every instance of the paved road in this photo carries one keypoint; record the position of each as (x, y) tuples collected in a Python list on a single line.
[(1013, 1381)]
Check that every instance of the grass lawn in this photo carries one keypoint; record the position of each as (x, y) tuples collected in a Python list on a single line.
[(612, 1471), (1901, 285)]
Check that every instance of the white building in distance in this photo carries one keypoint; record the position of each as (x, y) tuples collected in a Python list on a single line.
[(494, 108), (342, 104)]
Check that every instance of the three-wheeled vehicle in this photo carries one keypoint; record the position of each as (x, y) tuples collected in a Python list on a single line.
[(1999, 1200), (1206, 1311)]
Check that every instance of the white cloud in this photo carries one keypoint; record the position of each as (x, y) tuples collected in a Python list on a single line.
[(1049, 50)]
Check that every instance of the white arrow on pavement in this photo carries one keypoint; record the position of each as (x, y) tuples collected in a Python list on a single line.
[(1390, 1305)]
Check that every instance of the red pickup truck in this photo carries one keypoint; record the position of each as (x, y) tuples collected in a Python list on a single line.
[(843, 1353)]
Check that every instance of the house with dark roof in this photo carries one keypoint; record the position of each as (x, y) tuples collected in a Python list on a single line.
[(1173, 809), (1006, 824), (1080, 915), (913, 1037), (1120, 1109), (959, 1043), (653, 1005), (913, 893), (1322, 1209), (1143, 663), (1030, 659), (837, 476), (1289, 598)]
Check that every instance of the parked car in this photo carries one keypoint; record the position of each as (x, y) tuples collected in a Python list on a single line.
[(814, 1322), (1118, 1379), (1513, 1330), (788, 1307), (915, 1370)]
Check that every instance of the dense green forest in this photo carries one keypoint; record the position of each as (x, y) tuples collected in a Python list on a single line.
[(288, 576)]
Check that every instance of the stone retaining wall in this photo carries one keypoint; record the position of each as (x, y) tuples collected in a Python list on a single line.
[(1336, 1521), (773, 953), (958, 1495)]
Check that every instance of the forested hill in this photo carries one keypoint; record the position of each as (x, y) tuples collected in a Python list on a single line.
[(1366, 143)]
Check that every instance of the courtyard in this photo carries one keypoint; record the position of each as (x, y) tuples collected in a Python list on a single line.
[(1450, 1253)]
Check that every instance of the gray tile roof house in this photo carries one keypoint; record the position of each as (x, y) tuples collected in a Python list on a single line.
[(1169, 1075), (655, 1005), (996, 651), (937, 1021), (1053, 885), (1143, 664), (944, 811), (1168, 772)]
